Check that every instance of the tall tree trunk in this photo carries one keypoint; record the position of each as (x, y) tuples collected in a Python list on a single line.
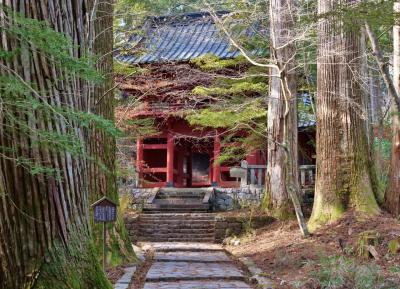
[(282, 110), (102, 145), (375, 98), (393, 193), (343, 178), (44, 217)]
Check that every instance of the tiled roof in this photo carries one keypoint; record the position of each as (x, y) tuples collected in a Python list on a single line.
[(179, 38)]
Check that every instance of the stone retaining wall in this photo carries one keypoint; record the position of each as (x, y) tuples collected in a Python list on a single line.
[(140, 197), (226, 226), (132, 226), (227, 199)]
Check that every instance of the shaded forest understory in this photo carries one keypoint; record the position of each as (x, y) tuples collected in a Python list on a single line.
[(332, 254)]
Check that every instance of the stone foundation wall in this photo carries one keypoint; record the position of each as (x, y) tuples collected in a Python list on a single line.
[(226, 199), (132, 226), (139, 197), (226, 226)]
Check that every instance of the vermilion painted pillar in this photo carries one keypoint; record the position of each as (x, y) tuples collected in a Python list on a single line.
[(170, 160), (139, 160), (216, 175), (189, 168), (180, 159)]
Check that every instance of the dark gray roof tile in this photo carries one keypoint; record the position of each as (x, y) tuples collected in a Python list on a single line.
[(178, 38)]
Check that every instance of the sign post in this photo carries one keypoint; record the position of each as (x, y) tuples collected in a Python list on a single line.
[(105, 211)]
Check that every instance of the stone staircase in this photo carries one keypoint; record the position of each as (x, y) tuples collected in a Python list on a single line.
[(178, 215)]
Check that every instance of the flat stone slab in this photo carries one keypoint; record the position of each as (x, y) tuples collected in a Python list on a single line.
[(125, 280), (176, 271), (183, 246), (192, 256), (197, 285)]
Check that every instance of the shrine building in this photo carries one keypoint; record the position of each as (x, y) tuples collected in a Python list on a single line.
[(180, 155)]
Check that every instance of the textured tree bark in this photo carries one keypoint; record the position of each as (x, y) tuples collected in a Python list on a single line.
[(282, 110), (376, 98), (393, 193), (343, 178), (44, 220), (102, 145)]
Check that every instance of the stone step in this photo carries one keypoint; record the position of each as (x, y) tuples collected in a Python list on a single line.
[(185, 205), (176, 231), (171, 216), (174, 239), (172, 210), (174, 271), (186, 202), (187, 195), (174, 219), (186, 247), (177, 235), (172, 226), (196, 284), (192, 256), (152, 212)]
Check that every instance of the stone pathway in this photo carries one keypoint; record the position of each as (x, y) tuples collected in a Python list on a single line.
[(193, 266)]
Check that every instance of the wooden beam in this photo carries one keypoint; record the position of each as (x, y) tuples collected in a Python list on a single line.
[(154, 146), (154, 170), (224, 169), (154, 185)]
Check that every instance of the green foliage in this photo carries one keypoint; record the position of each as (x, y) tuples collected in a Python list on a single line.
[(393, 246), (382, 147), (382, 152), (239, 88), (340, 272), (27, 109), (210, 62), (238, 116), (249, 117), (126, 69), (139, 127), (39, 36)]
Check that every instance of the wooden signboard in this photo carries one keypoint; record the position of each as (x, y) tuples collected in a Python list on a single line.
[(105, 210)]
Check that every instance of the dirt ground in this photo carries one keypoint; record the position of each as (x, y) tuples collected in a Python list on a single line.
[(284, 255)]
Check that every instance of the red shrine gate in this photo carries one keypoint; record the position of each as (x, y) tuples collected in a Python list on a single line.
[(182, 156)]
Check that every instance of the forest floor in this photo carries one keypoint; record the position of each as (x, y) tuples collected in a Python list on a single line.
[(330, 255), (113, 274)]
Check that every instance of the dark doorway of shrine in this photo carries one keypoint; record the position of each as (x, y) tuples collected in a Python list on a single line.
[(197, 162)]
